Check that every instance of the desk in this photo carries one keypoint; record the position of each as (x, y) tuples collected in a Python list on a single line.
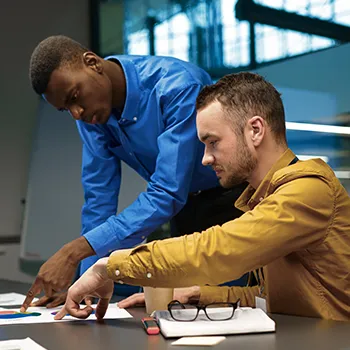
[(293, 333)]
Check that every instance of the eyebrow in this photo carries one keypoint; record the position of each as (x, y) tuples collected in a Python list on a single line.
[(206, 136)]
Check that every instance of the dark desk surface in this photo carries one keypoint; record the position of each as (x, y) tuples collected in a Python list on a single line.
[(292, 333)]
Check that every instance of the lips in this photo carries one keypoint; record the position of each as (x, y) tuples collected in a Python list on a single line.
[(218, 170), (92, 120)]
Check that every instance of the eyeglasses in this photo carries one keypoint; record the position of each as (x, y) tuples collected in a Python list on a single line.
[(213, 311)]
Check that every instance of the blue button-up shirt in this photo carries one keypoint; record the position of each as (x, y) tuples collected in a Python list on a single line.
[(155, 135)]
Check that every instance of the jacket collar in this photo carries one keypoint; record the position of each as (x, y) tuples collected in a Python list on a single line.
[(251, 197)]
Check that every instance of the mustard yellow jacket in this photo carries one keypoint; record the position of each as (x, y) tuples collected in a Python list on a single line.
[(296, 226)]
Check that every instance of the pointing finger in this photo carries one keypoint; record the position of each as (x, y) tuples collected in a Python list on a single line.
[(34, 290), (61, 314)]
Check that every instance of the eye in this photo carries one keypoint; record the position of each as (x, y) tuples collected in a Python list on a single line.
[(74, 97), (212, 143)]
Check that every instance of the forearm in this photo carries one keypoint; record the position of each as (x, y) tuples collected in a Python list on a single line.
[(78, 249), (149, 211), (211, 294), (170, 266), (182, 261)]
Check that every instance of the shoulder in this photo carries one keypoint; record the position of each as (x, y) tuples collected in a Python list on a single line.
[(309, 168), (310, 178), (162, 68)]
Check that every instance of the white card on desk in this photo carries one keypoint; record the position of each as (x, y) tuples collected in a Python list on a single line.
[(20, 344), (12, 299), (202, 341)]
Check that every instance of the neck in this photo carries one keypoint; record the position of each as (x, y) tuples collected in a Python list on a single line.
[(267, 156), (116, 75)]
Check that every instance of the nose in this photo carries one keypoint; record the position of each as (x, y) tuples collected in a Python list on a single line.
[(207, 159), (76, 112)]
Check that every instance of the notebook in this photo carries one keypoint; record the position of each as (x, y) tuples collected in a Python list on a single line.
[(245, 320)]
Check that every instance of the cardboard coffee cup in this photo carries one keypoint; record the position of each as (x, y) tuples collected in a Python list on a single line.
[(157, 298)]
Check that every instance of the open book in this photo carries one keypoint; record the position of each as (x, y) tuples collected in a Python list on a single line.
[(245, 320)]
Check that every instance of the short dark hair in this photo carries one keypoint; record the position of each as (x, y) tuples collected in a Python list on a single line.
[(50, 54), (244, 95)]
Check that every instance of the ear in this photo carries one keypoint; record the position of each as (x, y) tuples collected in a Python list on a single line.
[(257, 129), (92, 61)]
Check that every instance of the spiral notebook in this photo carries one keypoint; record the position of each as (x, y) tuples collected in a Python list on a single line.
[(245, 320)]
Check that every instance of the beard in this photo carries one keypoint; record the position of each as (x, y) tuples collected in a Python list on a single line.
[(239, 167)]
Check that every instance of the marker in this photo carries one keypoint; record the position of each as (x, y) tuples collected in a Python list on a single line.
[(150, 325)]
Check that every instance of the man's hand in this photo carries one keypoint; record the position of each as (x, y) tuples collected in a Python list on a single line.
[(56, 300), (183, 295), (57, 273), (94, 282)]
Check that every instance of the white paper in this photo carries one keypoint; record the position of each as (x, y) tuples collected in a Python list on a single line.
[(12, 299), (20, 344), (47, 315), (203, 341)]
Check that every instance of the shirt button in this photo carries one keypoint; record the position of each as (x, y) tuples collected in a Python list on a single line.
[(130, 153), (261, 198), (123, 120), (149, 275), (117, 272), (143, 237), (135, 119)]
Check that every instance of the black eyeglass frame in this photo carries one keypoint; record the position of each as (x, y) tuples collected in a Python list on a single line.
[(202, 307)]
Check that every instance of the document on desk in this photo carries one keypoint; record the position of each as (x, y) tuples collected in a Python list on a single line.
[(20, 344), (44, 315), (245, 320), (12, 299)]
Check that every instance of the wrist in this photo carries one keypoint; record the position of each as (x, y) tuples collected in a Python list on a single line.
[(78, 250), (101, 265), (195, 294)]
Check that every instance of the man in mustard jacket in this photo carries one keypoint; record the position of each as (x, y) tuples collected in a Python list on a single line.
[(294, 235)]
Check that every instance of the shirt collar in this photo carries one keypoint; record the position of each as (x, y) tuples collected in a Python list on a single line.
[(251, 197), (133, 89)]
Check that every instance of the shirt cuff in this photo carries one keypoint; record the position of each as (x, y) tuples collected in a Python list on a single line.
[(102, 239), (118, 265)]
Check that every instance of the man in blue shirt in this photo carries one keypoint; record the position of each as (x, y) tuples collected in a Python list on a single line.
[(136, 109)]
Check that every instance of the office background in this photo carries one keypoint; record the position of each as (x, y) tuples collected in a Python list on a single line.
[(301, 46)]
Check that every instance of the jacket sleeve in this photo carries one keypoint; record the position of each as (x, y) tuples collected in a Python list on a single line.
[(296, 216)]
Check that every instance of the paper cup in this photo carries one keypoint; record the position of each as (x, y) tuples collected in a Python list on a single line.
[(157, 298)]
